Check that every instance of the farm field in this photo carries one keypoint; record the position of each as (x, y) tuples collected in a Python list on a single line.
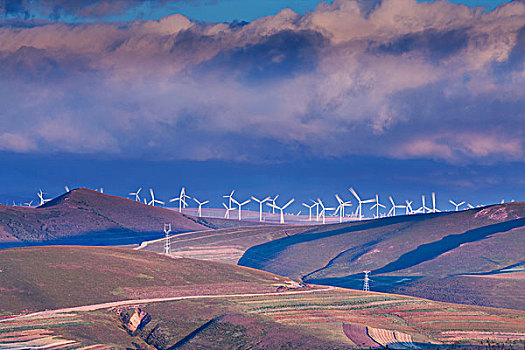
[(326, 319)]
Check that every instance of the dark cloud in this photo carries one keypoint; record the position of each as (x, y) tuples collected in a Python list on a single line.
[(56, 9), (435, 44), (278, 56)]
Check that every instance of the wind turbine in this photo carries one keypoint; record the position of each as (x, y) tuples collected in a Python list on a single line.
[(153, 200), (309, 210), (40, 195), (240, 206), (470, 206), (66, 188), (341, 207), (423, 207), (136, 194), (377, 205), (434, 209), (28, 204), (392, 211), (457, 205), (323, 210), (228, 209), (280, 208), (261, 201), (200, 205), (182, 199), (408, 209), (230, 197), (359, 211), (273, 202)]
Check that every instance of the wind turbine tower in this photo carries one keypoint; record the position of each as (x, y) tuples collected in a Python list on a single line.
[(200, 205), (273, 202), (359, 211), (366, 281), (377, 205), (323, 210), (309, 210), (240, 206), (261, 201), (341, 207), (181, 199), (457, 205), (167, 244), (281, 208)]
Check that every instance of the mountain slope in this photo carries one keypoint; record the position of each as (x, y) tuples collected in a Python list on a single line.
[(403, 250), (209, 305), (84, 212)]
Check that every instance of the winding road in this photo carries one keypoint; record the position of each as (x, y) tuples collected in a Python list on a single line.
[(93, 307)]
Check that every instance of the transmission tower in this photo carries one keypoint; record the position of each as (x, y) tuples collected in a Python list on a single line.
[(366, 280), (167, 245)]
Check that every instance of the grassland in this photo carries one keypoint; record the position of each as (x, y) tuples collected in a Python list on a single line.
[(38, 278)]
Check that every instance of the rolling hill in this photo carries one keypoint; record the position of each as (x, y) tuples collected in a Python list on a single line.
[(193, 304), (445, 256), (84, 216)]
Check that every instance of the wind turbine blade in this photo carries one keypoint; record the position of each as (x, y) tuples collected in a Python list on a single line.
[(225, 206), (267, 199), (205, 202), (245, 202), (275, 198), (273, 206), (354, 193), (151, 191), (460, 204), (255, 199), (289, 202), (161, 202), (339, 199), (391, 200)]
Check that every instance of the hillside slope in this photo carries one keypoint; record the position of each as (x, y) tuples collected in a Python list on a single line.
[(90, 216), (406, 251), (216, 306)]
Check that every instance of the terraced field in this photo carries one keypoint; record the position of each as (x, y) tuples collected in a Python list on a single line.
[(54, 332), (392, 320)]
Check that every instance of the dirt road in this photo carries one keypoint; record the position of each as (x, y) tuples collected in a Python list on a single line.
[(93, 307)]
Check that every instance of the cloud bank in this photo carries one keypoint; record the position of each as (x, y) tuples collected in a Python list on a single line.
[(397, 79)]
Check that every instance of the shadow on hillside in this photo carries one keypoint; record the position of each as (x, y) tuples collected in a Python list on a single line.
[(95, 238), (269, 250)]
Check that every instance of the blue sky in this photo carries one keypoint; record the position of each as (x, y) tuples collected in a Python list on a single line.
[(403, 98)]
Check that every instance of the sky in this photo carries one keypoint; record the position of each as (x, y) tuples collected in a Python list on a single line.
[(302, 98)]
